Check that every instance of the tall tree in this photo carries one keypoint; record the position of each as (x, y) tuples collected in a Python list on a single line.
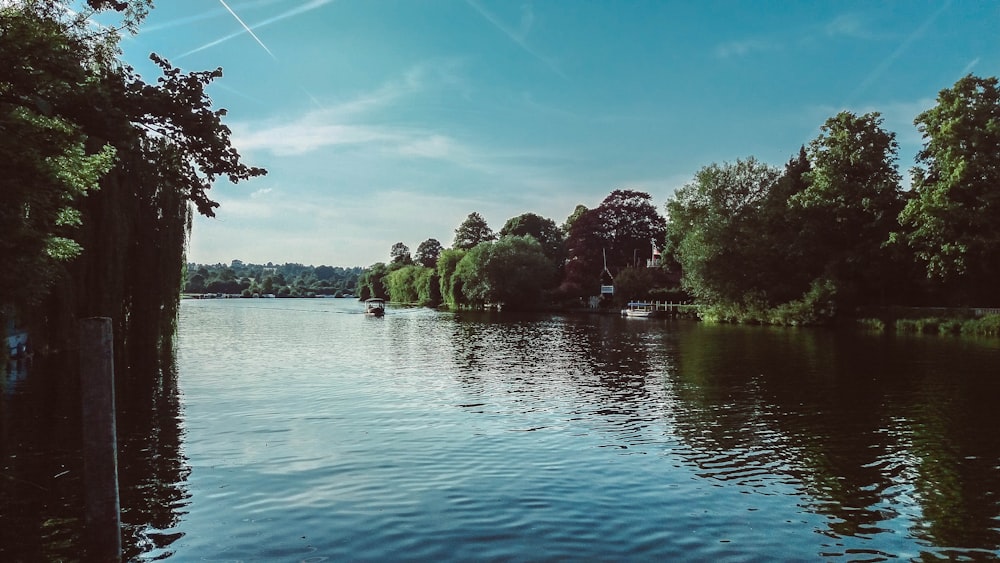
[(400, 254), (543, 230), (170, 146), (451, 284), (472, 231), (954, 218), (428, 252), (851, 206), (715, 227), (622, 231)]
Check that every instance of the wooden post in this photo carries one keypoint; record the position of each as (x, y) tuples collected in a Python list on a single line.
[(100, 444)]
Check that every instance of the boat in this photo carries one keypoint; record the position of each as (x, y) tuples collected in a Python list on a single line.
[(375, 307), (639, 310)]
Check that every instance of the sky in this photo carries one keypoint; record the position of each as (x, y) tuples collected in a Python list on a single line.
[(383, 121)]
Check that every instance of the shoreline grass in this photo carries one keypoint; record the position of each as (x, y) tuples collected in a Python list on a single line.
[(988, 325)]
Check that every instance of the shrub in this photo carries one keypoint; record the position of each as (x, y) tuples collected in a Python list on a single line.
[(877, 325), (985, 326)]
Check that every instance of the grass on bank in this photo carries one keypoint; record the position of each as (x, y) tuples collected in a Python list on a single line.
[(988, 325)]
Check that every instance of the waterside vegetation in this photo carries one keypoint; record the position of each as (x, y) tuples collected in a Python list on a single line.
[(827, 237), (100, 172)]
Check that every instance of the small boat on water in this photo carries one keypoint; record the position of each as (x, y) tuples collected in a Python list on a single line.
[(639, 309), (375, 307)]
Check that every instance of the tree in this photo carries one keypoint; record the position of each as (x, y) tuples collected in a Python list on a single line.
[(714, 228), (953, 217), (428, 252), (414, 284), (472, 231), (451, 285), (638, 283), (543, 230), (400, 254), (851, 206), (512, 272), (620, 232), (169, 144), (568, 224), (48, 164), (401, 284), (372, 282)]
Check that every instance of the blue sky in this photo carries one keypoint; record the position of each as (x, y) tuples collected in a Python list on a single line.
[(390, 121)]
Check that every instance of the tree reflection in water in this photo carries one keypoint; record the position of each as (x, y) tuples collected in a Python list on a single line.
[(41, 484), (864, 425)]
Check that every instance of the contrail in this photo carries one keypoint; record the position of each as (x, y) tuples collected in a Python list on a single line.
[(247, 27), (885, 64), (517, 38), (314, 4)]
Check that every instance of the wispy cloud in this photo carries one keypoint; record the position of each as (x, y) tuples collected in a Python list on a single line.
[(518, 36)]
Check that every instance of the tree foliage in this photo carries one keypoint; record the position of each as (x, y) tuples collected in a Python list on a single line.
[(79, 110), (472, 231), (400, 254), (428, 252), (714, 225), (450, 283), (851, 206), (954, 216), (512, 272), (621, 232), (543, 230), (757, 243)]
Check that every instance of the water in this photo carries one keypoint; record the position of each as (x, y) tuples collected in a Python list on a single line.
[(302, 430)]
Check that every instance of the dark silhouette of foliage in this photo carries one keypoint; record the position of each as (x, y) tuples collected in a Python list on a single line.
[(120, 248), (620, 232), (400, 254), (428, 252), (472, 231)]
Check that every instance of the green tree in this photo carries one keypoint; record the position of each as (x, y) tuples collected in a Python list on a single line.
[(567, 226), (372, 282), (543, 230), (637, 284), (400, 254), (414, 284), (851, 206), (512, 272), (472, 231), (196, 284), (451, 284), (170, 147), (953, 217), (401, 284), (48, 163), (428, 252), (715, 226)]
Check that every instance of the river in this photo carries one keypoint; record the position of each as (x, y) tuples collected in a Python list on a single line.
[(303, 430)]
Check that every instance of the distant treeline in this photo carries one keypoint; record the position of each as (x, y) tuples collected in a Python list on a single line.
[(284, 280)]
